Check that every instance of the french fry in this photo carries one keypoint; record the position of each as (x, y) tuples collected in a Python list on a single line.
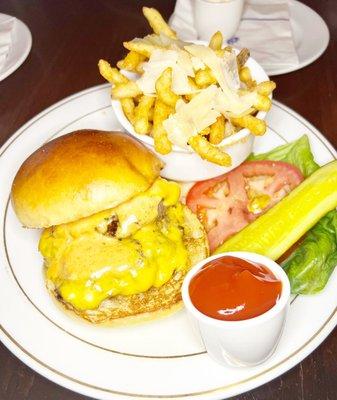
[(128, 89), (204, 78), (162, 143), (141, 47), (141, 120), (216, 41), (209, 152), (265, 88), (140, 69), (105, 70), (150, 114), (205, 132), (163, 88), (112, 75), (254, 125), (246, 77), (157, 22), (137, 98), (128, 106), (131, 61), (263, 103), (217, 133), (242, 57)]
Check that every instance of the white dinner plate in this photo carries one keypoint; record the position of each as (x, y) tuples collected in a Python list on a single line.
[(159, 359), (20, 47)]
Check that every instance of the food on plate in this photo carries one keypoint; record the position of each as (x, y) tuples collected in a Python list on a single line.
[(227, 203), (242, 57), (116, 242), (281, 226), (216, 41), (217, 131), (251, 289), (131, 61), (142, 112), (160, 112), (309, 260), (209, 152), (311, 264), (157, 22), (297, 153), (189, 95)]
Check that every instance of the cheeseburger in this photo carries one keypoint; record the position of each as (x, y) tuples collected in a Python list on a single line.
[(116, 240)]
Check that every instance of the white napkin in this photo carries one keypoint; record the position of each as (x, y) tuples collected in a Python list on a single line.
[(6, 31), (265, 29)]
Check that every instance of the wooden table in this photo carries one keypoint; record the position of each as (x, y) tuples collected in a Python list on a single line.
[(68, 39)]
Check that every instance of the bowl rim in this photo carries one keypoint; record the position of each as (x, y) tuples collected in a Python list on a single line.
[(279, 306), (229, 141)]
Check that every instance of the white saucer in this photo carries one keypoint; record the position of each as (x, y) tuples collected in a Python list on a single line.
[(311, 37), (21, 45), (310, 33)]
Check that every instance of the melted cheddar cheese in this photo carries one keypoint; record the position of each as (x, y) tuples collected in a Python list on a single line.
[(87, 265)]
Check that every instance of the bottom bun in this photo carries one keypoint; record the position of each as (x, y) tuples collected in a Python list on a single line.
[(155, 302)]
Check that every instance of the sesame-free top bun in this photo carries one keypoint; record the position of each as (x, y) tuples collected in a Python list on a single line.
[(80, 174)]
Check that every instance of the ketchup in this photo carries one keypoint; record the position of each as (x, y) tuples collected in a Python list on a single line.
[(233, 289)]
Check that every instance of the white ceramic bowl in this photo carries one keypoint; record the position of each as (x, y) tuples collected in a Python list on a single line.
[(187, 166), (241, 343)]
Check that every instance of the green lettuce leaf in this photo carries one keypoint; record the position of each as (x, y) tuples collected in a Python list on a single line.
[(297, 153), (310, 266)]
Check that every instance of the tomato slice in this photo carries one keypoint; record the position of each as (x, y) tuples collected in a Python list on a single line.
[(227, 203)]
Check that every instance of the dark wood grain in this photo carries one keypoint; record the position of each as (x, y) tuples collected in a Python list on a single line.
[(68, 39)]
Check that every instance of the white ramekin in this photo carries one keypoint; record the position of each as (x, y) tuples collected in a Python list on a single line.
[(241, 343), (185, 165)]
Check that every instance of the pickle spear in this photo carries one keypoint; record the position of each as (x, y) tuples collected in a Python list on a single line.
[(280, 227)]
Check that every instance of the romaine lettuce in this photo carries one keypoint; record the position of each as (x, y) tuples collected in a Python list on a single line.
[(297, 153), (309, 267)]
